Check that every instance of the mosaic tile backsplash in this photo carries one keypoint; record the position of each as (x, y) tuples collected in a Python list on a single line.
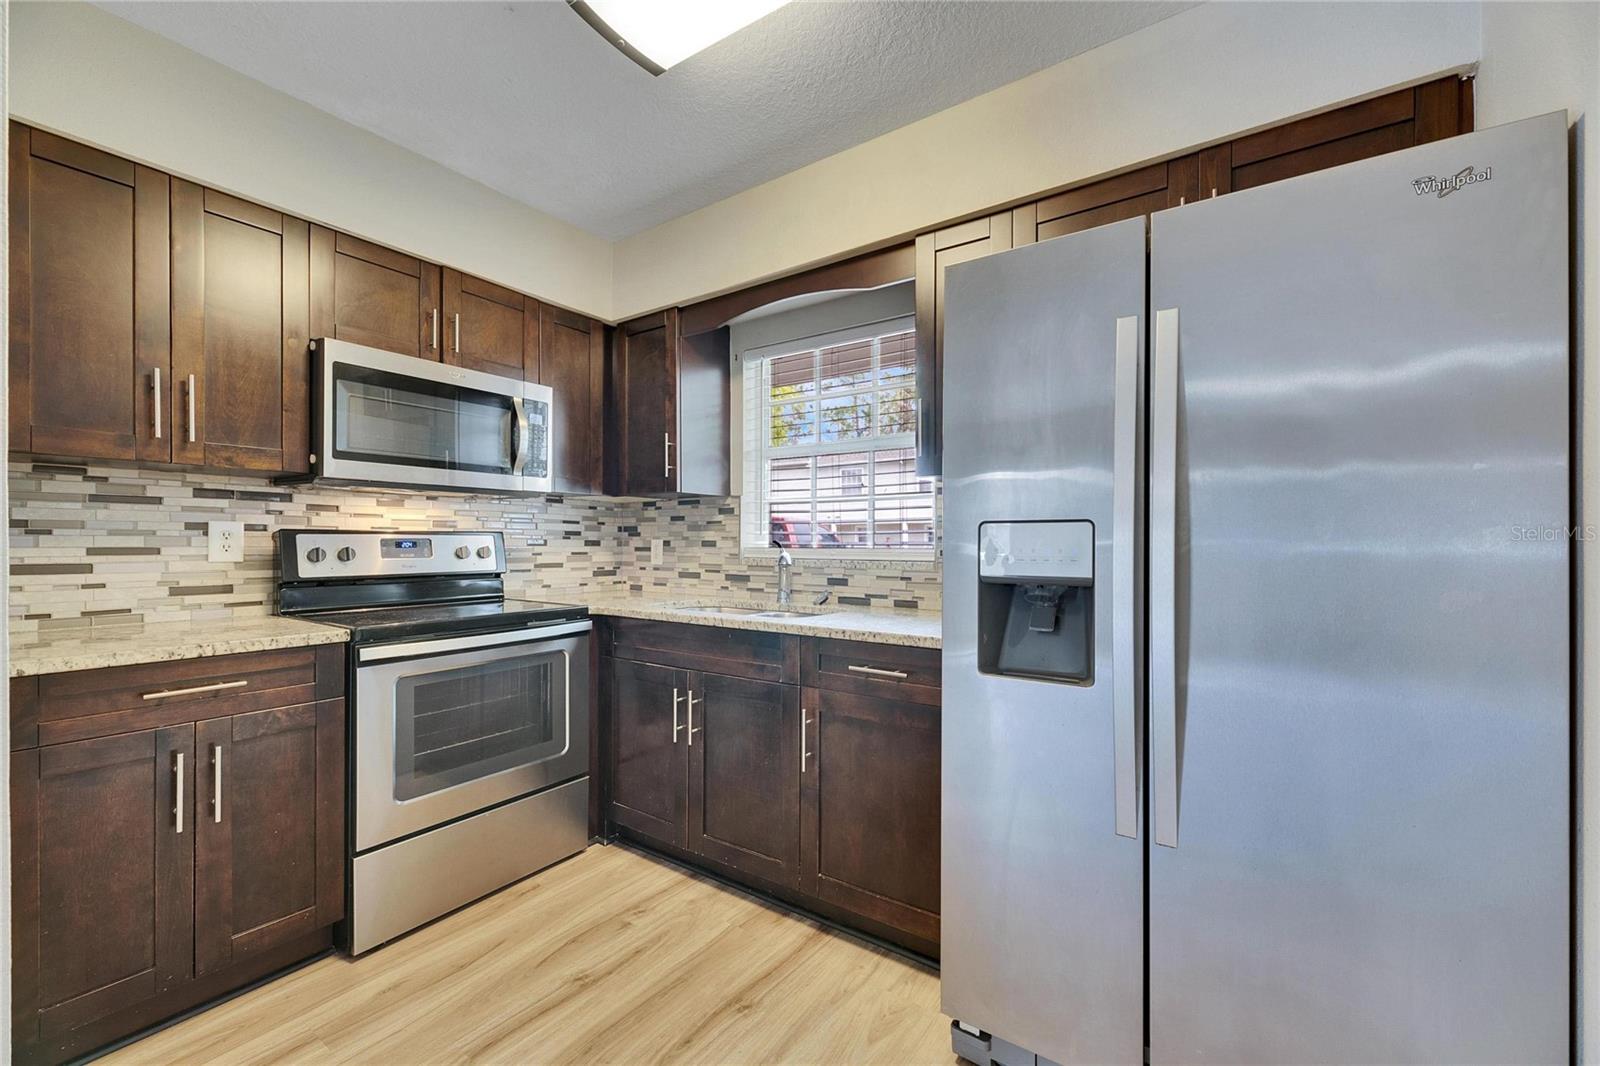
[(96, 545)]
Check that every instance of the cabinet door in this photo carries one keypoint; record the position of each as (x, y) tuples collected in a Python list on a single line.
[(870, 839), (103, 876), (489, 328), (269, 862), (648, 750), (90, 355), (1138, 192), (240, 327), (572, 362), (367, 294), (935, 252), (647, 375), (744, 774)]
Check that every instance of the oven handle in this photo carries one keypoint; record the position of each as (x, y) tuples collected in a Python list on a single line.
[(385, 652)]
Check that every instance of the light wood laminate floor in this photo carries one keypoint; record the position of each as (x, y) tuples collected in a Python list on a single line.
[(610, 957)]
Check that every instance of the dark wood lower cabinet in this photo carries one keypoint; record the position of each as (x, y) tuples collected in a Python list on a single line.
[(825, 796), (270, 842), (648, 765), (744, 774), (870, 808), (135, 894)]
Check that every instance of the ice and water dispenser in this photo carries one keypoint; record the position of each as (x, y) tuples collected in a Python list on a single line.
[(1036, 600)]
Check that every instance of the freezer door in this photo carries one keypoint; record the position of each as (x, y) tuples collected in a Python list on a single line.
[(1042, 938), (1359, 613)]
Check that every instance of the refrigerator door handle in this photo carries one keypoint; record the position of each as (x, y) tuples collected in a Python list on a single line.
[(1163, 578), (1127, 520)]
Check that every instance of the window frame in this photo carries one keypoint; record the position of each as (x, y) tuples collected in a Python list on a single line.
[(757, 449)]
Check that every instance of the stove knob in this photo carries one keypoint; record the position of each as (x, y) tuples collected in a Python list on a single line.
[(463, 551), (346, 554), (485, 551), (316, 555)]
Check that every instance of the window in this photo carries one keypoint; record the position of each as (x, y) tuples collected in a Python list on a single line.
[(831, 445)]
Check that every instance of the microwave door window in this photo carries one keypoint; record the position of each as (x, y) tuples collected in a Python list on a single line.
[(388, 418), (485, 426)]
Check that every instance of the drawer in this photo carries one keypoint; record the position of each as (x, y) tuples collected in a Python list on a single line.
[(56, 708), (891, 670), (748, 653)]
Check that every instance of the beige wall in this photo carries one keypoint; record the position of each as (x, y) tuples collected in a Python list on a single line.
[(89, 75), (1537, 58), (1197, 77)]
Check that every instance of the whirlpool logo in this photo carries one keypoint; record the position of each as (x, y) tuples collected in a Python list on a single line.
[(1442, 187)]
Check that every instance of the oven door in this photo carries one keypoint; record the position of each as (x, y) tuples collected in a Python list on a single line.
[(448, 726), (396, 420)]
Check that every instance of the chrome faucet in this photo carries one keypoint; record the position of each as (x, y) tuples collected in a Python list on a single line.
[(785, 575)]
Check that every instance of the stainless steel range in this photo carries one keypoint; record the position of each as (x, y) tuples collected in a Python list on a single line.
[(469, 747)]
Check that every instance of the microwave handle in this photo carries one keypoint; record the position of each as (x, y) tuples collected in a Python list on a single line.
[(520, 444)]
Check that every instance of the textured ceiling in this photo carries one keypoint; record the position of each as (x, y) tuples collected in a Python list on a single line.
[(527, 99)]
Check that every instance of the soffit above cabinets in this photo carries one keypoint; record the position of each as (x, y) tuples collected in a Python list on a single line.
[(526, 98)]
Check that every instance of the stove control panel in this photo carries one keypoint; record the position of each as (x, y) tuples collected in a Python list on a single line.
[(316, 555)]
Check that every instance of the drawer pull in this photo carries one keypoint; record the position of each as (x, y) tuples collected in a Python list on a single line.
[(169, 693), (873, 671)]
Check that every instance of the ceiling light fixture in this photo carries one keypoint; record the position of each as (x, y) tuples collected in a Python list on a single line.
[(656, 34)]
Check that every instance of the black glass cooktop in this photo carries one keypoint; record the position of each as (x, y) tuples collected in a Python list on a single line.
[(396, 623)]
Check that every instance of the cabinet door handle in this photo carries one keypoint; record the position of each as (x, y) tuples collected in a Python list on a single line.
[(677, 697), (873, 671), (191, 408), (433, 328), (804, 754), (177, 803), (458, 332), (216, 782), (169, 693), (155, 399), (666, 455), (692, 729)]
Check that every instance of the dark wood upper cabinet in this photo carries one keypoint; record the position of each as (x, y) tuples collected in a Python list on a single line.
[(671, 408), (368, 294), (269, 840), (488, 327), (572, 361), (241, 390), (744, 774), (935, 253), (870, 808), (90, 357), (1428, 112), (103, 876), (648, 765)]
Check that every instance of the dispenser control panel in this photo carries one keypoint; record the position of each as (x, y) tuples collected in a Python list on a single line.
[(1055, 553)]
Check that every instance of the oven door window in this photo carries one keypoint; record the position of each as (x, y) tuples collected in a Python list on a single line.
[(380, 417), (460, 725)]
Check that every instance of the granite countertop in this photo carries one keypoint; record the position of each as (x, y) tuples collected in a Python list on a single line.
[(61, 650), (917, 629)]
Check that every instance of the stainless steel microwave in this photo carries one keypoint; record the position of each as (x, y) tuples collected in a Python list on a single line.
[(387, 419)]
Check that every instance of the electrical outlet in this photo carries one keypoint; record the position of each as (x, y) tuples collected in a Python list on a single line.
[(657, 549), (225, 542)]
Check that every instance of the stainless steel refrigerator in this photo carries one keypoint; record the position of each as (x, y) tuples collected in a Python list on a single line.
[(1257, 593)]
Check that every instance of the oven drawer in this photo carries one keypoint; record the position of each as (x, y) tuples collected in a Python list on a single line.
[(891, 670)]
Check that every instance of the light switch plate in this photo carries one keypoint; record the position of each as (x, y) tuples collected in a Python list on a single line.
[(225, 542), (657, 549)]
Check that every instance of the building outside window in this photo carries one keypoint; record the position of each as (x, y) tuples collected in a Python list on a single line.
[(830, 448)]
